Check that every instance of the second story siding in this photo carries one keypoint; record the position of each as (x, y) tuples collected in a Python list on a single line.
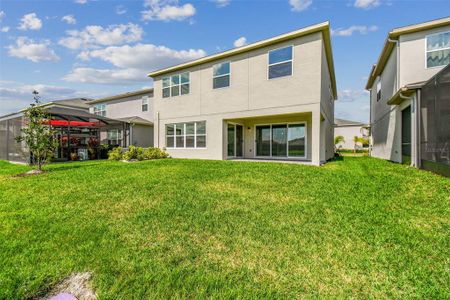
[(128, 107), (249, 87)]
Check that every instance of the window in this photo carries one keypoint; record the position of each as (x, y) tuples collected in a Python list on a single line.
[(145, 103), (186, 135), (379, 90), (175, 85), (438, 50), (221, 75), (280, 62), (114, 137), (281, 140), (100, 110)]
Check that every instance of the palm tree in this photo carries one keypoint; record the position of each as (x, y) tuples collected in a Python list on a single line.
[(337, 140)]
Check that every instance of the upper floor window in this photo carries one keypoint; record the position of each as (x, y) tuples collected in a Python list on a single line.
[(280, 62), (145, 103), (100, 110), (221, 75), (379, 90), (175, 85), (438, 50)]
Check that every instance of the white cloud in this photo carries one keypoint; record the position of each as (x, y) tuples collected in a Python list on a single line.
[(69, 19), (352, 29), (2, 14), (120, 10), (300, 5), (221, 3), (30, 21), (106, 76), (4, 29), (143, 56), (366, 4), (15, 96), (166, 10), (96, 36), (350, 95), (80, 1), (132, 63), (240, 42), (29, 49)]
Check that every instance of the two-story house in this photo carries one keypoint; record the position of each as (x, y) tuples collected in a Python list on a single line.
[(273, 99), (135, 109), (410, 57)]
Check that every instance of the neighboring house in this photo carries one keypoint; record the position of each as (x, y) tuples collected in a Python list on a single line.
[(134, 108), (76, 130), (273, 99), (411, 56), (349, 129)]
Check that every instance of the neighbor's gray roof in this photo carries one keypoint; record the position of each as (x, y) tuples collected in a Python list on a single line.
[(136, 120), (122, 96), (343, 122)]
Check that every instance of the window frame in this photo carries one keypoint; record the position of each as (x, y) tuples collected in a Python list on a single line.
[(144, 102), (98, 111), (119, 136), (185, 134), (291, 60), (218, 76), (287, 142), (427, 51), (179, 85)]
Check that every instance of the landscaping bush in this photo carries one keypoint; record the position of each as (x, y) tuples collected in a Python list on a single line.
[(115, 154), (137, 153), (155, 153)]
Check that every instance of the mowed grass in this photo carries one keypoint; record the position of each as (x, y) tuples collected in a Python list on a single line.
[(359, 228)]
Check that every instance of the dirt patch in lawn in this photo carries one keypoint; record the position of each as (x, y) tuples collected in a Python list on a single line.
[(76, 285), (29, 173)]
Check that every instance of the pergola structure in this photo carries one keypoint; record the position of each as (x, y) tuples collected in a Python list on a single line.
[(78, 133)]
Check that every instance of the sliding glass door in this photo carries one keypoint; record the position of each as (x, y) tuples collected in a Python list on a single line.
[(235, 145), (281, 140)]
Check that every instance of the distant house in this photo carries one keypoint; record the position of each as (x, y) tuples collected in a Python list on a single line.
[(273, 99), (349, 129), (135, 109), (409, 96)]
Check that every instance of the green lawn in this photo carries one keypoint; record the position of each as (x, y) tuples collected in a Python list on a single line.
[(358, 227)]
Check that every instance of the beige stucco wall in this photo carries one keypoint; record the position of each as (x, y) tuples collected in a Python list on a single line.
[(386, 119), (413, 57), (128, 107), (250, 94), (348, 132)]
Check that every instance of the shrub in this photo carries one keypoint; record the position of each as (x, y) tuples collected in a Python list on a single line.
[(115, 154), (155, 153), (137, 153)]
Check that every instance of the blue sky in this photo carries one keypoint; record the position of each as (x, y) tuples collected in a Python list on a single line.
[(96, 48)]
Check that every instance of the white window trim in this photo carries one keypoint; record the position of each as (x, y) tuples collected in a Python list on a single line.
[(174, 136), (100, 112), (223, 75), (144, 101), (427, 51), (119, 137), (287, 143), (282, 62), (179, 85)]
